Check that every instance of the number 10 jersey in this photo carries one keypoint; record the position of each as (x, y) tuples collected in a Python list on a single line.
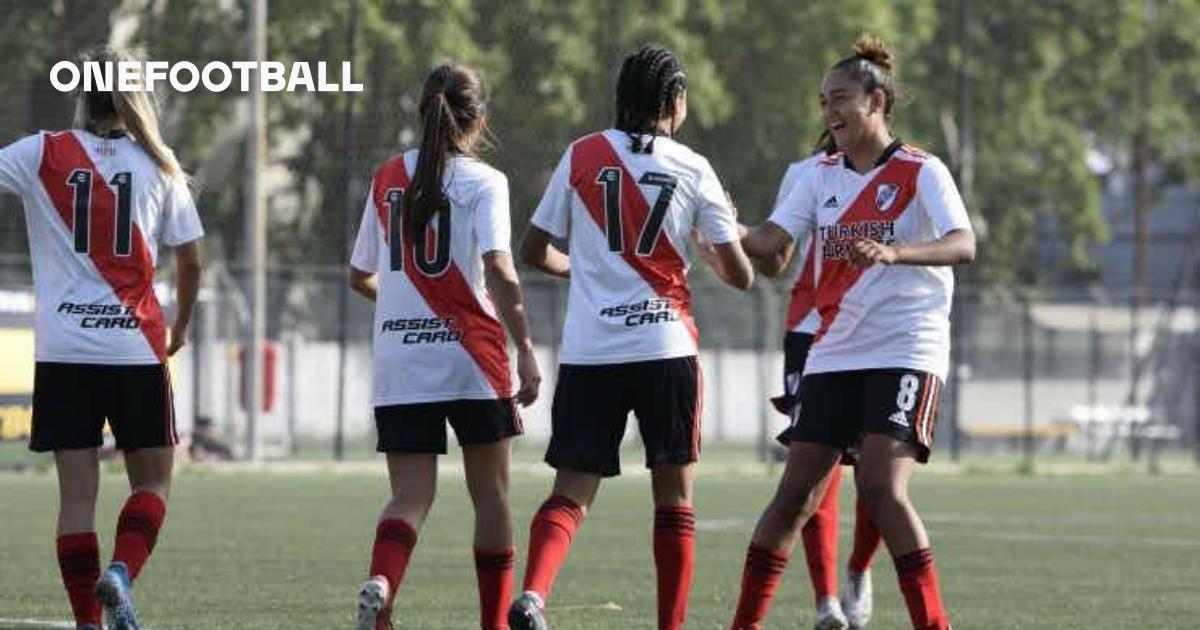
[(436, 334), (627, 217)]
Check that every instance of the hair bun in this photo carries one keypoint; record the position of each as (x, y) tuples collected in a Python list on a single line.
[(874, 50)]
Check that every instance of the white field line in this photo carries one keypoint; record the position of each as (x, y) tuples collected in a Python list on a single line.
[(613, 606), (8, 623)]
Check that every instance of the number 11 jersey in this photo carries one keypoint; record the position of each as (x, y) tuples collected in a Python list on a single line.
[(437, 336), (96, 209), (627, 217)]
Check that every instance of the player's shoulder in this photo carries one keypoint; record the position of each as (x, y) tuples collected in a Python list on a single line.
[(476, 169), (915, 154), (812, 161), (27, 148), (397, 163)]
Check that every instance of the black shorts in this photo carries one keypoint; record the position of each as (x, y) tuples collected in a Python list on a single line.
[(837, 408), (592, 405), (421, 427), (71, 401), (795, 354)]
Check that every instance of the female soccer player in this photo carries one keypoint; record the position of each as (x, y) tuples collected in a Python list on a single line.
[(98, 201), (888, 222), (626, 199), (432, 247), (820, 533)]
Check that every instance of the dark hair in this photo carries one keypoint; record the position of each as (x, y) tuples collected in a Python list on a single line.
[(453, 109), (825, 144), (871, 65), (650, 81)]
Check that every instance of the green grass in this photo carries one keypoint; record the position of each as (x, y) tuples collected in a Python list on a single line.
[(264, 550)]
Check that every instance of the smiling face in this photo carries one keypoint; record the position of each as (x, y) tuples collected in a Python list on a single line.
[(851, 114)]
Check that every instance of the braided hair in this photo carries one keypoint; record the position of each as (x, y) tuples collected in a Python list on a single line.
[(649, 83), (871, 65)]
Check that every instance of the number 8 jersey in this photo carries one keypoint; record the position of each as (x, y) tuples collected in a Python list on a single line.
[(96, 209), (627, 217), (436, 333)]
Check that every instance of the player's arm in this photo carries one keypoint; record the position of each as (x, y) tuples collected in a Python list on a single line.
[(364, 283), (538, 251), (956, 247), (728, 261), (187, 287), (769, 246), (501, 278), (939, 199)]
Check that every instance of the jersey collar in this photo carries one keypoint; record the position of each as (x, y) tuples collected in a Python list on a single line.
[(883, 157)]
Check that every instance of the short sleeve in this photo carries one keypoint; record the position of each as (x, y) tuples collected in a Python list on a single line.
[(493, 229), (181, 221), (939, 197), (796, 212), (365, 256), (790, 177), (19, 164), (714, 217), (553, 213)]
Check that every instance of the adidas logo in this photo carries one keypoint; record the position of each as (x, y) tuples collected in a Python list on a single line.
[(898, 418), (831, 202)]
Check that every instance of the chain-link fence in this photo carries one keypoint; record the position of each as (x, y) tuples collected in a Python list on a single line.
[(1033, 373)]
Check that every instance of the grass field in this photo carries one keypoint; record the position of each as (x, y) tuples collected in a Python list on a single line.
[(267, 549)]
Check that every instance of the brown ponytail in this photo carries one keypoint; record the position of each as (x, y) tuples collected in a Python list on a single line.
[(871, 65), (453, 111)]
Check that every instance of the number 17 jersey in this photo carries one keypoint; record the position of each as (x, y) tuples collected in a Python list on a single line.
[(436, 333), (627, 217)]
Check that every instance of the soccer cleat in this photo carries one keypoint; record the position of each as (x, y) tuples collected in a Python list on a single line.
[(830, 615), (113, 592), (857, 600), (527, 613), (372, 595)]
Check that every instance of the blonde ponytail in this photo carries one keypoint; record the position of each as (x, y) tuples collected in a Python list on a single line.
[(136, 112)]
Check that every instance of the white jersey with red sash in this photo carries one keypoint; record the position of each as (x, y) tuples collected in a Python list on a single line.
[(627, 217), (883, 316), (436, 336), (801, 311), (96, 209)]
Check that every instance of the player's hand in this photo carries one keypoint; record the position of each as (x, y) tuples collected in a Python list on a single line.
[(530, 375), (867, 252), (176, 341)]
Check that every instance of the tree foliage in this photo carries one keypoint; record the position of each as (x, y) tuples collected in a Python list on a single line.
[(1048, 85)]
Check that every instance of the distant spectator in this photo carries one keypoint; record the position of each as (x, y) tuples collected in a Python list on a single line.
[(205, 446)]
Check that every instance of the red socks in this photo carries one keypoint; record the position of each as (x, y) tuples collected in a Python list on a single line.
[(550, 536), (919, 583), (760, 578), (674, 553), (394, 542), (79, 563), (866, 539), (137, 530), (820, 535), (494, 569)]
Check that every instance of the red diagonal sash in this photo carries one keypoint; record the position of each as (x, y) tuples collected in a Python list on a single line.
[(448, 295), (839, 275), (664, 269), (131, 277)]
